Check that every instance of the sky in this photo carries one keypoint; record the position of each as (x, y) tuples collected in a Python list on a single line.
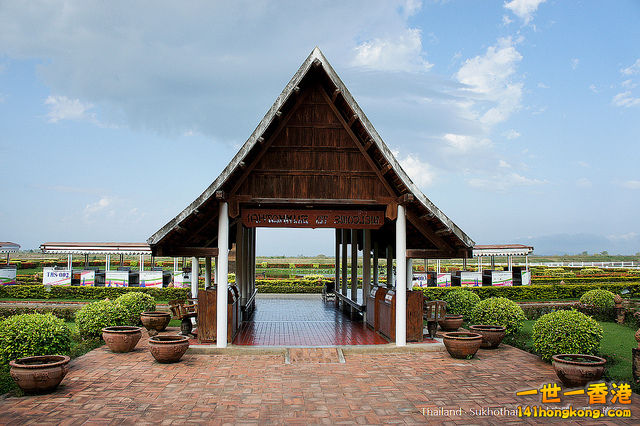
[(519, 119)]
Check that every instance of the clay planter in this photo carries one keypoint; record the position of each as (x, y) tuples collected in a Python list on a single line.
[(492, 335), (39, 374), (451, 322), (122, 338), (155, 321), (167, 349), (576, 370), (462, 344)]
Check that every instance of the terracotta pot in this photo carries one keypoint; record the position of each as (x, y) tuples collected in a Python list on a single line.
[(39, 374), (451, 322), (167, 349), (576, 370), (122, 338), (155, 321), (462, 344), (492, 335)]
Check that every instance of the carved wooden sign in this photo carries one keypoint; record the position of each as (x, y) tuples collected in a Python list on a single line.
[(285, 218)]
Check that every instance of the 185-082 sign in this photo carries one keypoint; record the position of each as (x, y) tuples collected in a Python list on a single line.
[(282, 218)]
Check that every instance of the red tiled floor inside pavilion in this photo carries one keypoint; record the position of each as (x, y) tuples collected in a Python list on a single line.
[(303, 321)]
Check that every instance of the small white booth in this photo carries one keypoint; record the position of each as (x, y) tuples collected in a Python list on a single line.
[(8, 272)]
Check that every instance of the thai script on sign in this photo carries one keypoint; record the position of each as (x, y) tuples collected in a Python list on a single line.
[(359, 219)]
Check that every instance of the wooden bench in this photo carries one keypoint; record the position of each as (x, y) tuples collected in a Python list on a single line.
[(434, 311), (184, 311), (352, 303)]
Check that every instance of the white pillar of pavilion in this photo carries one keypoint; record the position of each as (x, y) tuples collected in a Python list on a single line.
[(401, 277), (207, 272), (366, 265), (240, 258), (389, 266), (409, 274), (480, 264), (223, 259), (141, 263), (195, 271), (69, 261)]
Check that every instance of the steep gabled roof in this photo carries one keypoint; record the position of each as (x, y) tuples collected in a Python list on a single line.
[(426, 210)]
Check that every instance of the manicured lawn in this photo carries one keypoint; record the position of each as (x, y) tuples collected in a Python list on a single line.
[(617, 342)]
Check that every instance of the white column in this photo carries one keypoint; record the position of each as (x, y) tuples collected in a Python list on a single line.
[(366, 265), (215, 277), (175, 265), (401, 276), (207, 271), (106, 262), (69, 261), (479, 264), (526, 262), (223, 268), (195, 271), (438, 266), (409, 274), (240, 258)]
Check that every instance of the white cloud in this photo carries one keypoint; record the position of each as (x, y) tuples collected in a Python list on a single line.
[(489, 78), (98, 206), (420, 172), (504, 164), (583, 164), (506, 20), (623, 237), (574, 63), (465, 143), (584, 183), (524, 9), (631, 184), (63, 108), (625, 99), (400, 53), (632, 69), (501, 182), (593, 88), (511, 134), (628, 84), (541, 85)]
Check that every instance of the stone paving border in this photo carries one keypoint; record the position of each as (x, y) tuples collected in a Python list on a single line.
[(369, 388)]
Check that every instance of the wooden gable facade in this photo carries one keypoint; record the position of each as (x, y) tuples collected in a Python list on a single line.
[(314, 150)]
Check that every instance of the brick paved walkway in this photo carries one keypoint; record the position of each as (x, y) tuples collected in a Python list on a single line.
[(370, 388)]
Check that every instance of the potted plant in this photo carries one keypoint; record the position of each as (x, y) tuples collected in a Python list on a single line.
[(492, 335), (462, 344), (155, 321), (451, 322), (121, 338), (168, 349), (39, 374), (576, 370)]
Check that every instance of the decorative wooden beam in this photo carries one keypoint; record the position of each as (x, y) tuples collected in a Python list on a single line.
[(353, 118), (406, 198), (278, 114), (260, 140), (423, 253), (386, 169), (221, 195), (296, 90), (190, 251), (316, 63), (368, 144), (334, 95), (391, 212), (443, 231), (429, 233)]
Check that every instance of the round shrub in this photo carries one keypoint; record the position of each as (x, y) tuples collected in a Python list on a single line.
[(499, 311), (566, 332), (598, 298), (92, 318), (460, 302), (32, 335), (133, 304)]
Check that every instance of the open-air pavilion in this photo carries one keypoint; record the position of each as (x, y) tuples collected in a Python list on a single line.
[(314, 161)]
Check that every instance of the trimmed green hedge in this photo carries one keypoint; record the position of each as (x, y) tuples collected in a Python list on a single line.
[(536, 292), (581, 280), (86, 293), (67, 314)]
